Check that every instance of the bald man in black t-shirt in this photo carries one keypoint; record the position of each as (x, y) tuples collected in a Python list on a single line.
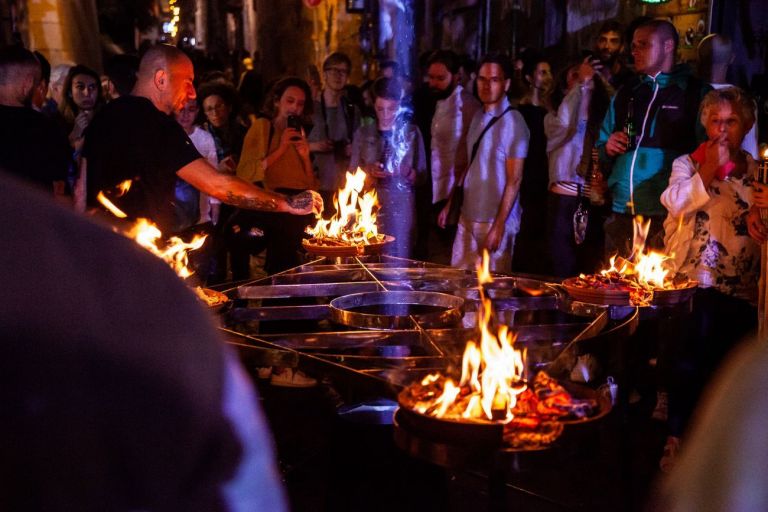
[(134, 137)]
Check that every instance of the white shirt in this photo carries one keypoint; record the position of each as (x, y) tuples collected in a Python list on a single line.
[(205, 145), (565, 137), (711, 243), (450, 124), (487, 176)]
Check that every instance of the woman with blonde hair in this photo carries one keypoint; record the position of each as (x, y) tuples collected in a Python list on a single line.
[(713, 237)]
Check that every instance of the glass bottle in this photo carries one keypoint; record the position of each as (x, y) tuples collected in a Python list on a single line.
[(629, 126)]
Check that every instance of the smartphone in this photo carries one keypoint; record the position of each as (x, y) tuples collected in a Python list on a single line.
[(295, 123)]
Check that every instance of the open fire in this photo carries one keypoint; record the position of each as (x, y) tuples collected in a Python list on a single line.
[(354, 223), (642, 275), (174, 251), (492, 387)]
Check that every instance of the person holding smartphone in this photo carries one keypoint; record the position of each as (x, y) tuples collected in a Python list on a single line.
[(276, 156)]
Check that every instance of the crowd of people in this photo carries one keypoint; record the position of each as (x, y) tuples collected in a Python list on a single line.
[(546, 170)]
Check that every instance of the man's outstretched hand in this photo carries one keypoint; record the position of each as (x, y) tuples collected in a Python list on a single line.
[(305, 202)]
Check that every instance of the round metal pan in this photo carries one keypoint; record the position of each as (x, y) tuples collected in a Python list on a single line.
[(334, 251), (490, 433), (621, 298), (397, 310)]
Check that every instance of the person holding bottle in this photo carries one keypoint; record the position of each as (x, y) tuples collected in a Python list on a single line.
[(664, 99), (576, 188)]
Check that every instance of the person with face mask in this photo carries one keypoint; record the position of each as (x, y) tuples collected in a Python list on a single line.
[(32, 146)]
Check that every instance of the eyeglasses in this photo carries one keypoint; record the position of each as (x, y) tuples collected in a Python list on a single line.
[(337, 71)]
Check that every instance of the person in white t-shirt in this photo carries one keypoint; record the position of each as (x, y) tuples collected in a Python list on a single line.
[(193, 207), (490, 212)]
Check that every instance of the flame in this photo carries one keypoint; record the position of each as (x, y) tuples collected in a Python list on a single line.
[(492, 371), (484, 271), (123, 187), (647, 268), (147, 235), (174, 251), (109, 205), (355, 218), (640, 230)]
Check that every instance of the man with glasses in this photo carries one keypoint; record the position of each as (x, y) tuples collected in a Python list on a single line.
[(335, 121), (497, 143)]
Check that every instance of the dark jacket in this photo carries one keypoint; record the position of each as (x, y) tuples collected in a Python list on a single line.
[(666, 114)]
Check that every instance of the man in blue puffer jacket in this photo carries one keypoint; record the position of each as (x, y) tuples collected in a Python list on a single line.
[(665, 102)]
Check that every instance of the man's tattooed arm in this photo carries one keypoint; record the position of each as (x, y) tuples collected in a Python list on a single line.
[(251, 203)]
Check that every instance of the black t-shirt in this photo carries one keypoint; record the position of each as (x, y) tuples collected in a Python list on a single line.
[(131, 139), (32, 147)]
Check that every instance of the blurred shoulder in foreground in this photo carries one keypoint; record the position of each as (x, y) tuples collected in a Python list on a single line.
[(723, 466), (117, 392)]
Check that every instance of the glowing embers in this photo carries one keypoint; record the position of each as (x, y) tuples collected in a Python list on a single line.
[(641, 280), (492, 389), (148, 235), (353, 226)]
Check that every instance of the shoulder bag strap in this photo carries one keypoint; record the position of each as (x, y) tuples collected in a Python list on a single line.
[(476, 145)]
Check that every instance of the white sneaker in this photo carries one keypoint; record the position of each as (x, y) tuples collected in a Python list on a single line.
[(292, 378)]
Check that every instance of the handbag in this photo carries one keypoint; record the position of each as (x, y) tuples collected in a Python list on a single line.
[(456, 198)]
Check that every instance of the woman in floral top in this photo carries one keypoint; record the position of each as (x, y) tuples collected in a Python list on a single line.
[(709, 198)]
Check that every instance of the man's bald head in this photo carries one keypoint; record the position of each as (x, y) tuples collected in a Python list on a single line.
[(16, 61), (19, 74), (160, 56), (165, 77)]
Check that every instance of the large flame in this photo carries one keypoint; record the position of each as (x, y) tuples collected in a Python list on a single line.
[(174, 251), (645, 271), (146, 234), (492, 371), (355, 219)]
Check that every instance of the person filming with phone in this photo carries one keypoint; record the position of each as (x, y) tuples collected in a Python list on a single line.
[(276, 156)]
